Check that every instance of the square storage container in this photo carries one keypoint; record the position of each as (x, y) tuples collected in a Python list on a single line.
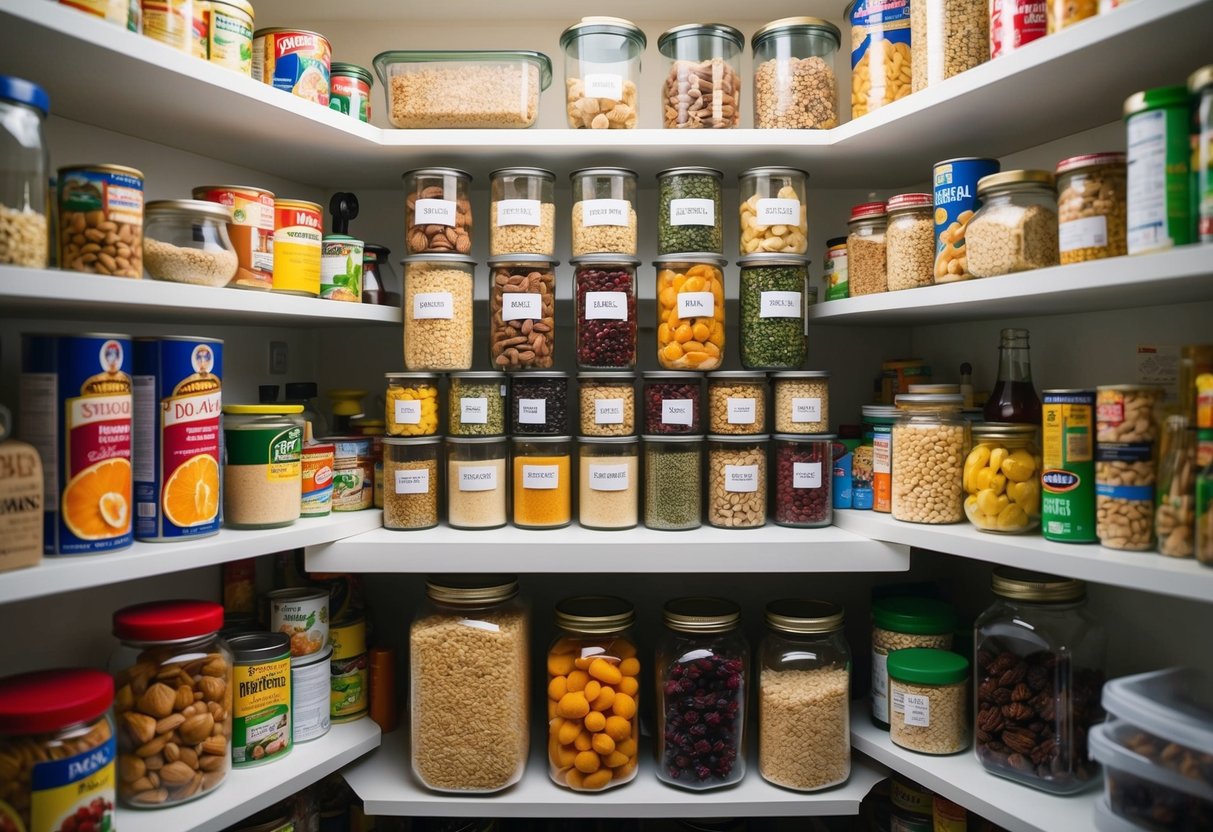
[(1147, 794)]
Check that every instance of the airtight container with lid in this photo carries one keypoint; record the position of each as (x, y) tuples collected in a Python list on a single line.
[(601, 72), (186, 241), (795, 85)]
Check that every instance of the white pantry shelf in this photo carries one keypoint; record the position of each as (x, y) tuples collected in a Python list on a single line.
[(247, 791), (1148, 571), (66, 573)]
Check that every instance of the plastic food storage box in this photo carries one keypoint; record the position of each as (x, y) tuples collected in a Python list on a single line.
[(463, 88)]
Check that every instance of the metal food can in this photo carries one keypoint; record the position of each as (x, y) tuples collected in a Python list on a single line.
[(1157, 122), (297, 247), (880, 53), (836, 277), (231, 35), (310, 685), (301, 614), (348, 638), (1067, 478), (955, 192), (123, 12), (251, 230), (878, 423), (351, 90), (1016, 23), (341, 268), (317, 497), (75, 409), (261, 704), (353, 473), (101, 220), (200, 30), (177, 407), (295, 61), (349, 697), (170, 21)]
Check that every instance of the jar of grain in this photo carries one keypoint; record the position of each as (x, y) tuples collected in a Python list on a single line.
[(477, 482), (604, 211), (476, 403), (437, 211), (866, 259), (469, 654), (186, 241), (1002, 478), (543, 484), (702, 87), (772, 298), (802, 468), (609, 483), (794, 82), (1092, 207), (601, 73), (411, 404), (737, 402), (929, 700), (804, 687), (899, 623), (607, 403), (802, 401), (930, 443), (1015, 229), (673, 482), (773, 210), (910, 241), (522, 212), (24, 235), (262, 465), (411, 482), (737, 481), (947, 37), (438, 312), (522, 307)]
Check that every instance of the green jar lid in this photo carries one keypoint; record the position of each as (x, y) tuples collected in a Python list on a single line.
[(909, 614), (928, 667), (1157, 98)]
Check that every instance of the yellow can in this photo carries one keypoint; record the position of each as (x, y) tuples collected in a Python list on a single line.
[(171, 22), (230, 42), (348, 638), (298, 229), (200, 31)]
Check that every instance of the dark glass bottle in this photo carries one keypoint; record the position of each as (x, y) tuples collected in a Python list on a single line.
[(1014, 398)]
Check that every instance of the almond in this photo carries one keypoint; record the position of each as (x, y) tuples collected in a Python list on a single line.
[(191, 788), (213, 688), (190, 757), (176, 774), (141, 727), (155, 762), (130, 768), (185, 698), (153, 746), (215, 745), (169, 723), (172, 752), (151, 797), (142, 784), (215, 667), (210, 762), (197, 728), (124, 699)]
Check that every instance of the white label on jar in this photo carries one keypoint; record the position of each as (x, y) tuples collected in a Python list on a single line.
[(474, 411), (880, 685), (741, 411), (435, 212), (806, 409), (605, 212), (433, 305), (917, 710), (478, 478), (1089, 232), (741, 478), (519, 212), (779, 305), (532, 411), (603, 85), (692, 212), (1147, 183), (408, 412), (882, 453), (521, 306), (696, 304), (413, 481), (606, 306), (608, 411), (777, 212), (896, 701), (608, 477), (806, 475), (676, 411), (541, 477)]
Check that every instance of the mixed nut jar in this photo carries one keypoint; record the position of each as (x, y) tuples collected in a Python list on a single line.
[(930, 445), (469, 653), (929, 700), (803, 473), (703, 681), (262, 465), (186, 241), (438, 312), (737, 481), (702, 87), (673, 482), (411, 482), (604, 211), (671, 402), (539, 403), (900, 623), (801, 401), (737, 402), (1092, 207), (1002, 478), (804, 688), (609, 482), (604, 299), (772, 300), (437, 211), (522, 212), (910, 241), (689, 216), (522, 306), (690, 311), (794, 82), (607, 403), (867, 258), (773, 211), (476, 403), (543, 483), (24, 213), (601, 73), (1015, 229), (1039, 647), (411, 404), (477, 482)]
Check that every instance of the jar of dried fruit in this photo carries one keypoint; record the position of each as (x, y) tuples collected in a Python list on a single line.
[(604, 298)]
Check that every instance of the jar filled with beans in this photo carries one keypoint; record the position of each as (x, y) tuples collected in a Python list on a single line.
[(522, 212), (930, 444), (702, 87), (802, 401), (604, 298), (478, 484), (411, 404), (690, 311), (910, 241), (898, 623), (522, 307), (437, 211), (673, 482), (774, 214), (737, 402), (543, 482), (929, 701), (1002, 478), (803, 473), (411, 482), (794, 82), (689, 218), (737, 481), (1092, 207), (539, 403), (607, 403), (867, 262), (671, 402), (947, 37), (476, 403), (438, 312), (773, 303), (604, 211), (1015, 230), (609, 482)]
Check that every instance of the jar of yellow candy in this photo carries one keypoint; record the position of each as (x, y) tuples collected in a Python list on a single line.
[(411, 404), (1002, 478)]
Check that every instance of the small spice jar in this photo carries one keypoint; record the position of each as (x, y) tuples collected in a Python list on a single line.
[(522, 306), (774, 213), (910, 241), (609, 482), (539, 403), (737, 402), (689, 209), (172, 666), (703, 679), (1015, 229), (702, 87), (601, 72), (1002, 478), (604, 297), (930, 445), (929, 700), (522, 212), (801, 401), (673, 482), (437, 211), (411, 404), (186, 241), (802, 472), (25, 236), (867, 263), (737, 481), (604, 211), (593, 689), (607, 403), (477, 482), (262, 465), (690, 311), (794, 82), (899, 623), (411, 482), (1092, 207), (671, 402), (543, 484), (804, 691), (476, 404), (438, 312), (772, 328)]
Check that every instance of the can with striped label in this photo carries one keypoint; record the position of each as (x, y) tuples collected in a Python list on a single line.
[(1067, 479)]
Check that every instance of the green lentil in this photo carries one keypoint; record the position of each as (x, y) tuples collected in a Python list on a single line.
[(672, 485), (492, 391), (677, 185), (772, 342)]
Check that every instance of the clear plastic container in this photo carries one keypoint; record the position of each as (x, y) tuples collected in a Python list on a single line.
[(773, 303), (411, 404), (609, 482), (543, 482), (478, 482), (690, 311), (737, 402), (412, 482), (604, 298), (1015, 229), (1002, 478), (901, 623), (673, 482), (773, 213), (801, 401), (601, 73), (539, 404), (802, 467), (437, 211), (1092, 207), (522, 308), (947, 37), (186, 241), (930, 444), (910, 241), (463, 88), (795, 85), (476, 403), (737, 481), (867, 258), (438, 312), (689, 215), (522, 212), (607, 403), (1144, 794), (671, 402), (929, 700), (604, 211), (702, 87), (24, 227)]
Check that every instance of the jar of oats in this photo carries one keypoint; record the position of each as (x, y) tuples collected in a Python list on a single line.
[(929, 701), (899, 623), (910, 241), (1092, 207), (410, 474), (522, 212), (1015, 230), (930, 442), (866, 259)]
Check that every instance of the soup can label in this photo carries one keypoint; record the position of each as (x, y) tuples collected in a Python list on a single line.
[(348, 697), (317, 481), (348, 638), (955, 191), (341, 268), (836, 273), (297, 246), (310, 688), (101, 220), (251, 230), (303, 615), (231, 38), (351, 95), (1067, 479), (1158, 180), (295, 61), (261, 711)]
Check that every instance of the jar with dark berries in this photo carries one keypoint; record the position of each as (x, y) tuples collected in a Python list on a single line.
[(1040, 672), (702, 682), (604, 297), (803, 472), (671, 402)]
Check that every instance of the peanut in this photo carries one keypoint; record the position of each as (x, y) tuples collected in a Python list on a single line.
[(91, 242), (23, 238), (737, 476)]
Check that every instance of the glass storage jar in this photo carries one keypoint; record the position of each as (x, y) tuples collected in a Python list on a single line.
[(438, 312), (673, 482), (1200, 87), (476, 403), (671, 402), (57, 732), (543, 482), (262, 465), (794, 82), (804, 688), (593, 678), (411, 404), (522, 212), (1002, 478), (946, 38), (1063, 13), (772, 304), (703, 682), (604, 298), (737, 402), (690, 311), (930, 444), (1015, 229), (411, 482), (1175, 501), (901, 623), (1038, 640), (522, 308), (186, 241), (607, 403), (773, 213), (910, 241), (539, 403), (609, 482), (1092, 207), (929, 700), (172, 668), (802, 401), (437, 211), (702, 87), (867, 261), (689, 210), (469, 653), (477, 482), (24, 230), (803, 472), (604, 211), (737, 481), (601, 72)]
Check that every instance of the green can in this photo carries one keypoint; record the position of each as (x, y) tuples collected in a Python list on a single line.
[(1204, 496), (1200, 85), (1159, 153), (351, 90), (261, 704), (1067, 478), (350, 693)]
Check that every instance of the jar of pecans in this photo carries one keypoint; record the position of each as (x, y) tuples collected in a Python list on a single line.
[(1092, 207), (607, 403), (737, 402), (671, 402), (803, 474), (522, 306), (438, 211), (604, 297)]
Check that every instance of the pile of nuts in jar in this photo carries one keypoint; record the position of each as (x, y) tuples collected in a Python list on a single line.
[(522, 302)]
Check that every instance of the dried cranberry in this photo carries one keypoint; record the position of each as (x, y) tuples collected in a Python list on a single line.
[(664, 414), (704, 748), (603, 340), (803, 475)]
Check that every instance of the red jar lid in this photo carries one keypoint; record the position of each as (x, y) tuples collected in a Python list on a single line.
[(168, 620), (868, 209), (47, 700), (1090, 160), (909, 201)]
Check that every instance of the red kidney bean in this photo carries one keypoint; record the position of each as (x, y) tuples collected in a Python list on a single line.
[(605, 342), (656, 393), (797, 503)]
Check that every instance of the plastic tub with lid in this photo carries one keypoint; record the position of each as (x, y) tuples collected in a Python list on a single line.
[(1150, 795)]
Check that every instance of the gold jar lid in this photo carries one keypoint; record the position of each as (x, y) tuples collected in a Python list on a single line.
[(1016, 179), (701, 615), (1003, 431), (804, 616), (1024, 585), (594, 614), (471, 590)]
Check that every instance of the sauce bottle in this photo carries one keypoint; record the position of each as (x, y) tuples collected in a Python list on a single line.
[(1014, 398)]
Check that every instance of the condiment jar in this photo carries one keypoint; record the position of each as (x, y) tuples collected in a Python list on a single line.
[(607, 403), (411, 482), (601, 73), (737, 402), (737, 481), (690, 311), (411, 404), (539, 403), (522, 307), (1015, 229), (437, 211), (689, 216), (804, 691), (543, 484), (477, 482), (24, 230), (803, 476), (172, 668), (867, 262), (773, 211), (929, 700), (910, 241), (262, 465), (899, 623), (930, 444), (1002, 478), (438, 312), (469, 653), (671, 402), (1038, 634), (1092, 207), (794, 82), (609, 482), (604, 298), (57, 744), (379, 282), (801, 401), (476, 403), (673, 482), (186, 241), (772, 303), (703, 59), (703, 679), (522, 212), (593, 691)]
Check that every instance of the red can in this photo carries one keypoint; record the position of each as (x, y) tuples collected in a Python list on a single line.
[(1014, 23)]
